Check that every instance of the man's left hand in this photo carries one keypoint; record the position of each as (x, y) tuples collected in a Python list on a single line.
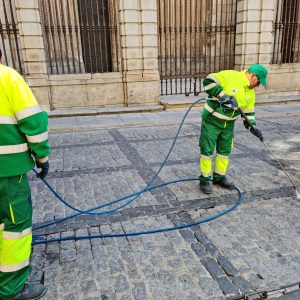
[(45, 169), (257, 132)]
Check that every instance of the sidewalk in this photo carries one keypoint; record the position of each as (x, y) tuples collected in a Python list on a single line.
[(119, 119)]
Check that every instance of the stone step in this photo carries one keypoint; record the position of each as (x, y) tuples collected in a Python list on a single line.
[(83, 111), (181, 101)]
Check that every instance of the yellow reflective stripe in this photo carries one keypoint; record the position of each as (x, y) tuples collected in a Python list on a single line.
[(218, 115), (14, 253), (210, 86), (7, 120), (8, 235), (206, 157), (222, 156), (11, 214), (249, 111), (207, 107), (223, 173), (13, 149), (43, 159), (251, 117), (205, 165), (213, 78), (15, 267), (27, 112), (205, 174), (221, 164), (38, 138)]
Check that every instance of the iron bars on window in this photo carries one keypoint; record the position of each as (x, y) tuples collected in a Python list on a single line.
[(80, 36), (9, 36), (286, 47), (196, 37)]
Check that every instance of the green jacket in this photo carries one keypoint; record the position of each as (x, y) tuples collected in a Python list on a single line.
[(23, 126), (232, 83)]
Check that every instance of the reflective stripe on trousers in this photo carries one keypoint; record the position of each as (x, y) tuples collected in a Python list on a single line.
[(205, 165), (221, 164), (15, 234)]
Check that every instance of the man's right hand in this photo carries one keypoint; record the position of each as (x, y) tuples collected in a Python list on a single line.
[(45, 169), (226, 100)]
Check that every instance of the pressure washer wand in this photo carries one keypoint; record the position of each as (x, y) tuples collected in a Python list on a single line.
[(262, 140)]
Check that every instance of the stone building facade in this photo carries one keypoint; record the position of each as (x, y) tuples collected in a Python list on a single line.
[(133, 75)]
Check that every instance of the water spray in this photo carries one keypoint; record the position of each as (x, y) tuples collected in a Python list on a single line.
[(276, 159)]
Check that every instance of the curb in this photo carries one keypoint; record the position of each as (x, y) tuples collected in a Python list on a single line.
[(178, 104), (165, 105), (163, 122), (79, 112)]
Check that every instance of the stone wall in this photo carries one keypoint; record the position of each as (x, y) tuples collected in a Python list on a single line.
[(138, 81), (254, 44), (136, 84)]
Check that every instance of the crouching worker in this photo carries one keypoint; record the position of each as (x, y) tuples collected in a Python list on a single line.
[(23, 143), (227, 90)]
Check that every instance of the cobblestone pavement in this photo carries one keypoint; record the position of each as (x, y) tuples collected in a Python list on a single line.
[(254, 248)]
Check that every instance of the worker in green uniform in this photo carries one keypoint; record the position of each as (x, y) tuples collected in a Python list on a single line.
[(23, 143), (227, 90)]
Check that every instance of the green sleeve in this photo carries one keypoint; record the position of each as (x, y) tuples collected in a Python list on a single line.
[(211, 87), (35, 129)]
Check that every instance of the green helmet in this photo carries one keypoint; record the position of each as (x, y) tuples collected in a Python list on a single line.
[(260, 71)]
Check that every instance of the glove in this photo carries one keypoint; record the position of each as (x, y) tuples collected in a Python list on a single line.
[(229, 100), (45, 168), (257, 133)]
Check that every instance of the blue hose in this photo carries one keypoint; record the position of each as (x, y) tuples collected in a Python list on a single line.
[(135, 196)]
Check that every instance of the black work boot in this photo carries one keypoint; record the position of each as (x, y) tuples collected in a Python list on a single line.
[(205, 187), (30, 291), (224, 183)]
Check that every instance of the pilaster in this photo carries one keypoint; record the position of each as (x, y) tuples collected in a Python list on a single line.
[(138, 27), (30, 32), (254, 32)]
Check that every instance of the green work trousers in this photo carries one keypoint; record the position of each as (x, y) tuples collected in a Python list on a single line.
[(215, 136), (15, 234)]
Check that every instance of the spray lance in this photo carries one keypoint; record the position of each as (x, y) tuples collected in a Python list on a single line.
[(262, 140)]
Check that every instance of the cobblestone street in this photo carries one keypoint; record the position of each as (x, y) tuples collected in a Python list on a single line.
[(254, 248)]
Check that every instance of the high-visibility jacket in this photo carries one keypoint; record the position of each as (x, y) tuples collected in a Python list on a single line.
[(23, 125), (232, 83)]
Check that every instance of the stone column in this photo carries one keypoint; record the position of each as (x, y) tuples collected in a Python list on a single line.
[(139, 50), (254, 32), (32, 47)]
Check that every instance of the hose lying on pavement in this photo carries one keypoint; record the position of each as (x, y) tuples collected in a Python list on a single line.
[(39, 239)]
